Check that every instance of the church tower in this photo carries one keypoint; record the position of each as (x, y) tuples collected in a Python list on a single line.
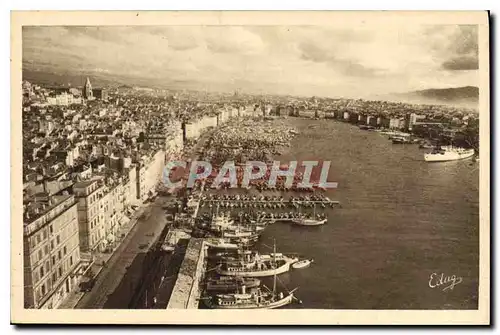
[(87, 90)]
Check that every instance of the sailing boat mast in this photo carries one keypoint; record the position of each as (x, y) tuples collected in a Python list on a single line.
[(274, 265)]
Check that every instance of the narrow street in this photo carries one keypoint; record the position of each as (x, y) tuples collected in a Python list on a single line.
[(127, 260)]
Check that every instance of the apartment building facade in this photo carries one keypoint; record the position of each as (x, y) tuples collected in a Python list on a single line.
[(51, 250)]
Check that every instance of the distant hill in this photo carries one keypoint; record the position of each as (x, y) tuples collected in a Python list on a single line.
[(467, 96), (65, 79), (450, 94)]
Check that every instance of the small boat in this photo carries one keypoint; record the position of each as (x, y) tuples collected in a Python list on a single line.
[(426, 146), (168, 248), (221, 243), (309, 222), (400, 140), (314, 220), (302, 264)]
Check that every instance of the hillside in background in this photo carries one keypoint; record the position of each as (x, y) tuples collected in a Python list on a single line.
[(467, 96), (450, 94)]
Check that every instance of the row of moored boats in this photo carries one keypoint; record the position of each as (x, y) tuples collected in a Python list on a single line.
[(235, 280)]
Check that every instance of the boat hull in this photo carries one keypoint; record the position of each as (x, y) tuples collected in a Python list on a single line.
[(448, 157), (266, 305), (223, 246), (232, 286), (255, 273), (309, 222), (168, 248), (301, 265)]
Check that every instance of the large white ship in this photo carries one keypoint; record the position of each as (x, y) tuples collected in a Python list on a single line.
[(448, 153)]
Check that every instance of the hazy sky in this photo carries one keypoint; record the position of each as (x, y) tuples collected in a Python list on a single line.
[(299, 60)]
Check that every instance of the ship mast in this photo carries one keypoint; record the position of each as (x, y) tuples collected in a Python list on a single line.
[(274, 260)]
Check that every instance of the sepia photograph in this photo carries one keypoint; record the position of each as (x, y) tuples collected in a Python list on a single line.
[(322, 163)]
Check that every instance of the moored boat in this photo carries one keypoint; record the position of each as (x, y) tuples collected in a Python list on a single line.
[(254, 300), (309, 221), (260, 266), (231, 283), (302, 264), (314, 220), (400, 140), (221, 243), (448, 153)]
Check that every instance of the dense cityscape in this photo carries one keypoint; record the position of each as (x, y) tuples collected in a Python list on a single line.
[(93, 160)]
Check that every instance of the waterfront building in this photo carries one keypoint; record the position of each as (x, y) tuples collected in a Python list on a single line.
[(362, 119), (114, 211), (130, 186), (89, 195), (174, 143), (383, 122), (371, 120), (51, 250), (141, 181), (154, 171), (396, 123), (353, 117)]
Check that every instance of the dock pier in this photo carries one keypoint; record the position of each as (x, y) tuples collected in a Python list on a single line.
[(186, 291)]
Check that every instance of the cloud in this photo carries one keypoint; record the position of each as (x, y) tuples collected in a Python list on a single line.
[(305, 60), (233, 39), (462, 50), (314, 53), (461, 63)]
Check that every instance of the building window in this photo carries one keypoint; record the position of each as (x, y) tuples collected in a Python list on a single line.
[(60, 272), (64, 250), (53, 260), (51, 244), (71, 260), (54, 277), (40, 254), (51, 229), (43, 290), (41, 272), (38, 239), (44, 234), (46, 249), (58, 239), (59, 255)]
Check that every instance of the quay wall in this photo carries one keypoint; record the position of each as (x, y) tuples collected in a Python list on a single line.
[(186, 292)]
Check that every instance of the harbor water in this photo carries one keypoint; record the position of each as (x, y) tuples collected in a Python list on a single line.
[(402, 220)]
